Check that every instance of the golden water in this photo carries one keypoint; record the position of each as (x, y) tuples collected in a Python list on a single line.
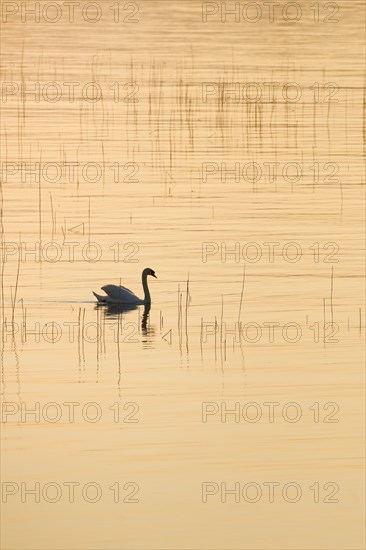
[(235, 322)]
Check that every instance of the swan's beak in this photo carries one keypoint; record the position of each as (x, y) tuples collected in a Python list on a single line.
[(155, 276)]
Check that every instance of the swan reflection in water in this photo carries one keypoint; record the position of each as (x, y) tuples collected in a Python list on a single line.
[(115, 311)]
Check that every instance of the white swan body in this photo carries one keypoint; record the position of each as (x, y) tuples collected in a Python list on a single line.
[(122, 295)]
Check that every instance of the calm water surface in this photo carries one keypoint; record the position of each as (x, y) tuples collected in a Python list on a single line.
[(251, 214)]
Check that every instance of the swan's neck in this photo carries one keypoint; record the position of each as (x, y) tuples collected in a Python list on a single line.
[(147, 298)]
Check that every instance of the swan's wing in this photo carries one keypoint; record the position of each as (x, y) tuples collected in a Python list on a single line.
[(114, 288), (120, 294)]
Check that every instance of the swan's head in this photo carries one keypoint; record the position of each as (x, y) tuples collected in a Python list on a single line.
[(149, 271)]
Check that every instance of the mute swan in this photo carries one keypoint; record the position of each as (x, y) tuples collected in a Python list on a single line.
[(122, 295)]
